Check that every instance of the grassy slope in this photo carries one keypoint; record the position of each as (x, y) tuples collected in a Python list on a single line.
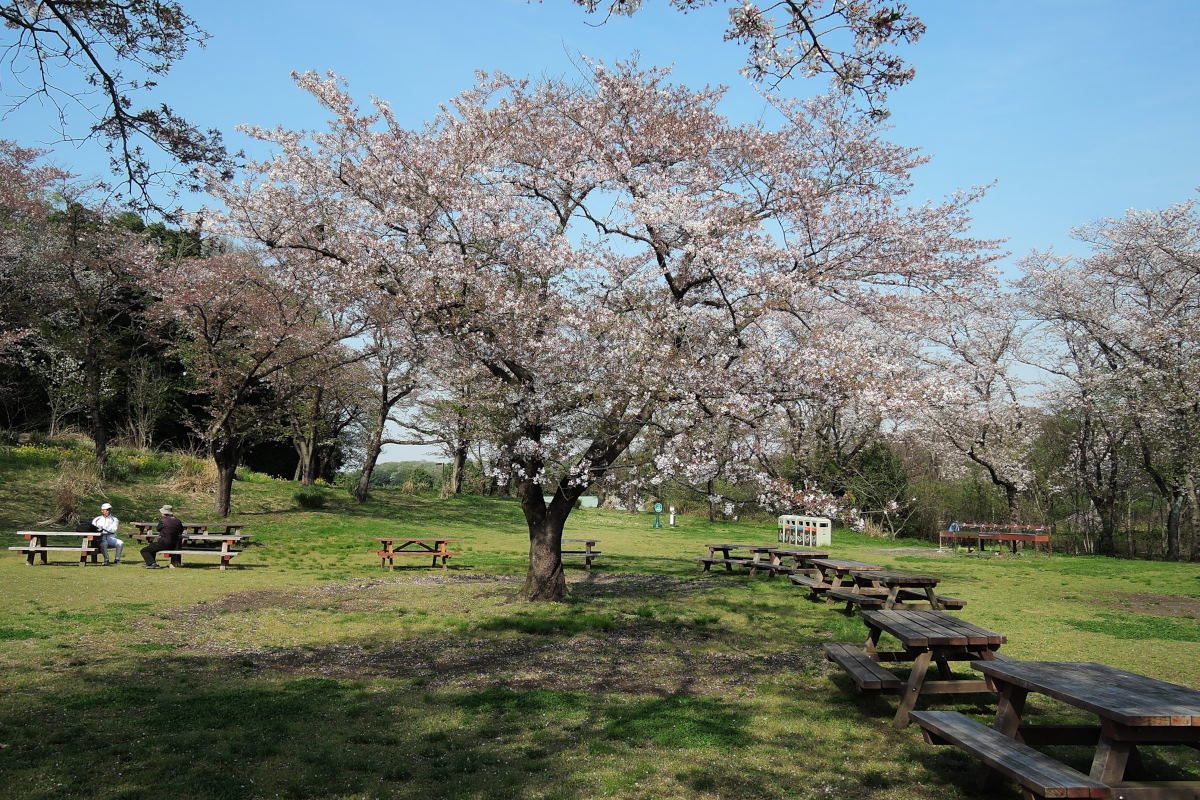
[(312, 673)]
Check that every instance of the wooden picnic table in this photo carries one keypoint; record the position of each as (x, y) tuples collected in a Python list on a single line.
[(927, 636), (1000, 537), (588, 552), (774, 563), (433, 547), (836, 571), (39, 544), (728, 560), (897, 588), (144, 528), (1133, 710)]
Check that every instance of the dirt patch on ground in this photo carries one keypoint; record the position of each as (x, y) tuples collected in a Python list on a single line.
[(640, 655), (632, 661), (1164, 605)]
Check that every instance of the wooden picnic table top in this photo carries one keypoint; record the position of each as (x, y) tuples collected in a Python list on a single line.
[(582, 541), (789, 551), (413, 539), (844, 565), (762, 547), (76, 534), (891, 578), (926, 629), (1124, 697)]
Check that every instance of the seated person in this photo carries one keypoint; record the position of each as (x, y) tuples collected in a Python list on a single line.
[(170, 537), (106, 524)]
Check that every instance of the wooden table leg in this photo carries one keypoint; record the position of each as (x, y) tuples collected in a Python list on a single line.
[(890, 602), (932, 596), (1010, 706), (872, 643), (912, 691), (1108, 765)]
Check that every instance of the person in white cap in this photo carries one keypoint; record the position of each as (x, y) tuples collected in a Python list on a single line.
[(106, 524)]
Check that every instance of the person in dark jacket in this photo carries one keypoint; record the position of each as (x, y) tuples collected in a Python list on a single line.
[(170, 537)]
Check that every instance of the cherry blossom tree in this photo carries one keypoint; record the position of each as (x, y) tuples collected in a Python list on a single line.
[(249, 323), (393, 364), (849, 40), (624, 263), (976, 409), (1135, 303)]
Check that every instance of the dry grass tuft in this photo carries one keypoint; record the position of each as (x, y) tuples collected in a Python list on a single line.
[(194, 475), (77, 479)]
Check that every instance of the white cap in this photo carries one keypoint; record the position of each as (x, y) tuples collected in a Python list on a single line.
[(105, 505)]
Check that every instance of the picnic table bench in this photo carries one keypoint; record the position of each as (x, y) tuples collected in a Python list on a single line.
[(224, 552), (398, 547), (816, 587), (39, 544), (587, 553), (924, 636), (1133, 711)]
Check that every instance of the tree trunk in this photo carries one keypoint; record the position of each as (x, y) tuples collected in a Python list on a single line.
[(456, 471), (361, 490), (1175, 504), (712, 511), (227, 463), (1107, 512), (95, 387), (545, 580)]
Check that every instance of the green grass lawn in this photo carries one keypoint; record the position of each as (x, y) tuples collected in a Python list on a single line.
[(308, 672)]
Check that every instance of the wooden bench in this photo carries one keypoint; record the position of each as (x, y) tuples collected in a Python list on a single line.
[(867, 673), (774, 569), (816, 587), (386, 556), (1038, 774), (588, 556), (176, 555), (945, 601), (29, 550), (729, 563), (864, 598)]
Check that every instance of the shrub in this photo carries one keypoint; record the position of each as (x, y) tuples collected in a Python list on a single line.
[(310, 497)]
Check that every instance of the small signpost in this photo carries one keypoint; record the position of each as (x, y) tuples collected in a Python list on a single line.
[(671, 518), (657, 516)]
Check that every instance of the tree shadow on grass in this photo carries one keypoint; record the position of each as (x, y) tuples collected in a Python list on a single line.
[(211, 730)]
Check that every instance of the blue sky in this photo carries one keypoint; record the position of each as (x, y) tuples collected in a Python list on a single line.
[(1075, 109)]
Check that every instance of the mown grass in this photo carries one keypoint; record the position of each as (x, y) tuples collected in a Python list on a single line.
[(311, 673)]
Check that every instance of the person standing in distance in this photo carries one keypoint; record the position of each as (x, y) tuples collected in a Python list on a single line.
[(170, 536), (106, 524)]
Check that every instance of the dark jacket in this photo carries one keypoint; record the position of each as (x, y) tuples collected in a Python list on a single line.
[(170, 532)]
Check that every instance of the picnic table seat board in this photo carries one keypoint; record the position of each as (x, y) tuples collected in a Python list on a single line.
[(729, 563), (816, 587), (867, 673), (1038, 774), (177, 560), (588, 553)]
